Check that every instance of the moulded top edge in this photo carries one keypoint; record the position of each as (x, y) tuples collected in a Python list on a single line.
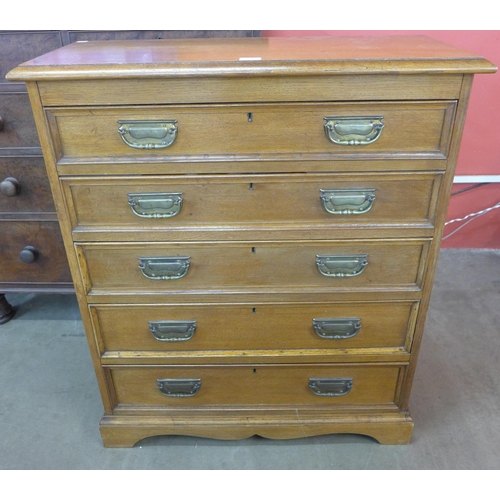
[(249, 69), (250, 57)]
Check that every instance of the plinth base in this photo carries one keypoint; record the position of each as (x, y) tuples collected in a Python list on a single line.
[(126, 431)]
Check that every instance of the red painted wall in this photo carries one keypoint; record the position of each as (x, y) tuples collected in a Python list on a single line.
[(480, 150)]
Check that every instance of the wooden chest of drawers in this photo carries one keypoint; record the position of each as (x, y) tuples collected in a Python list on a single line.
[(252, 225), (33, 257)]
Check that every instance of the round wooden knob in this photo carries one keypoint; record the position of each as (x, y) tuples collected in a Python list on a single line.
[(10, 187), (29, 254)]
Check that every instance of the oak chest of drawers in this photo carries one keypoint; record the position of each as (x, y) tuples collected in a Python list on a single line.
[(252, 225)]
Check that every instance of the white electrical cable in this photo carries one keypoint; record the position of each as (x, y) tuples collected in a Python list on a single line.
[(471, 217)]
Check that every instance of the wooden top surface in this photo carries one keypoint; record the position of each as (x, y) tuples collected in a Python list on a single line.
[(251, 56)]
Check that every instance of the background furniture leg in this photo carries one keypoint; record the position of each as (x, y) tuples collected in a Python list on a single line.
[(6, 310)]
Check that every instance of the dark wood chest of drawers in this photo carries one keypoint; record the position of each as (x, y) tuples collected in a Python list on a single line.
[(252, 225), (33, 257)]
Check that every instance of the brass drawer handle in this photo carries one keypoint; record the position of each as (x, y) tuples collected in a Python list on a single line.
[(330, 386), (337, 328), (10, 186), (148, 134), (353, 130), (347, 201), (155, 205), (172, 331), (179, 387), (341, 266), (164, 268)]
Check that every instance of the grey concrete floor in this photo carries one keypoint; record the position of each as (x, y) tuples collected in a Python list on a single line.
[(50, 406)]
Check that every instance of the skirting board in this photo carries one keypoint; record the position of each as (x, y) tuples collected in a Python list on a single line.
[(473, 179)]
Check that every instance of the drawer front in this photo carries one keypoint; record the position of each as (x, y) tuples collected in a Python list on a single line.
[(410, 129), (264, 385), (17, 128), (18, 47), (253, 326), (291, 88), (189, 202), (42, 244), (251, 266), (24, 186)]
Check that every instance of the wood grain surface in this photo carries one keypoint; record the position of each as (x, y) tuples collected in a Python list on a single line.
[(227, 327), (411, 129), (265, 266), (276, 56), (34, 195), (224, 202), (49, 267), (261, 385)]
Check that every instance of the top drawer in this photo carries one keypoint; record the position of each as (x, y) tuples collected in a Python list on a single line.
[(315, 131), (219, 89)]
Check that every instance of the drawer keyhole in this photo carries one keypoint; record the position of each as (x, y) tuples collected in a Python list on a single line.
[(250, 117)]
